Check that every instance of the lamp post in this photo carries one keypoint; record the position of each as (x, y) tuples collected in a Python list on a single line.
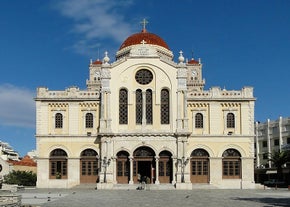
[(182, 163), (105, 163)]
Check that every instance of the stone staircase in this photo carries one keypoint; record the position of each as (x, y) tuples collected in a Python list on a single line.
[(128, 186)]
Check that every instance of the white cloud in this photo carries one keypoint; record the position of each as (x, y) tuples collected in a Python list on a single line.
[(96, 20), (17, 107)]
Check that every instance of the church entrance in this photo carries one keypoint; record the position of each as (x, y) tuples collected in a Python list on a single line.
[(123, 167), (144, 164), (165, 167)]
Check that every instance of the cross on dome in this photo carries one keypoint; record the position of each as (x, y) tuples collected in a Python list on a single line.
[(143, 42), (144, 22)]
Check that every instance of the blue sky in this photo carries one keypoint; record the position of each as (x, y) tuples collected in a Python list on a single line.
[(50, 43)]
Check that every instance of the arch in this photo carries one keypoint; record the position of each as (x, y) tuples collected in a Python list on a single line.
[(63, 147), (198, 120), (138, 106), (230, 120), (144, 151), (58, 120), (233, 146), (165, 106), (165, 167), (149, 107), (204, 147), (85, 147), (144, 164), (88, 153), (89, 166), (231, 164), (123, 106), (58, 153), (89, 120), (199, 166), (58, 164), (122, 166), (199, 153)]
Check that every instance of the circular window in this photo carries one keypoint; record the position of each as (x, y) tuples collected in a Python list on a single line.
[(143, 76)]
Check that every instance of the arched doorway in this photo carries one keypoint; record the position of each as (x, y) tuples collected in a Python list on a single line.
[(199, 164), (89, 166), (123, 167), (58, 164), (165, 167), (144, 163)]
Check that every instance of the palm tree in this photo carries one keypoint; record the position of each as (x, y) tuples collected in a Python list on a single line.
[(279, 158)]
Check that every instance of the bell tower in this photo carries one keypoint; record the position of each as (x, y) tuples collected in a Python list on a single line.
[(194, 75)]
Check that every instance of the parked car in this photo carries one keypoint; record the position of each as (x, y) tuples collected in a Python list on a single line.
[(275, 183)]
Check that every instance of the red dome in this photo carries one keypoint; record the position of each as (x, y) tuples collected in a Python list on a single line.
[(97, 62), (149, 38)]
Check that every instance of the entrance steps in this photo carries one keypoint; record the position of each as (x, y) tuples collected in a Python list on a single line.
[(203, 186), (127, 186), (146, 186), (86, 186)]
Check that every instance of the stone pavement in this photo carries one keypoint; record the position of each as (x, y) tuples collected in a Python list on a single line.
[(155, 198)]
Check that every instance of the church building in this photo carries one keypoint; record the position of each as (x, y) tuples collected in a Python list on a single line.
[(145, 114)]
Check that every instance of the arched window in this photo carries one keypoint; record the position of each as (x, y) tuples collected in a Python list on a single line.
[(230, 120), (123, 106), (58, 120), (231, 164), (164, 108), (58, 164), (139, 102), (148, 106), (89, 120), (198, 120)]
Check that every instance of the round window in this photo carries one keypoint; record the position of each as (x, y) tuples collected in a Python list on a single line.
[(143, 76)]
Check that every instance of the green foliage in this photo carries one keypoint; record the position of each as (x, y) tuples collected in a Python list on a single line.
[(18, 177)]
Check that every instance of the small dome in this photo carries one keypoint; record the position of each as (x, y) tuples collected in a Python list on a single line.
[(149, 38), (97, 62), (192, 61)]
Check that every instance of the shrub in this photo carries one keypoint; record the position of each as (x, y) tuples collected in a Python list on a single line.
[(21, 178)]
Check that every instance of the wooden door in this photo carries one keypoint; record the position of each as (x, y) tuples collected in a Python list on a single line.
[(89, 170), (165, 170), (199, 170), (123, 169)]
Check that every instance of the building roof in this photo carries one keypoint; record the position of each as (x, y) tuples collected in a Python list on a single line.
[(25, 161), (149, 38)]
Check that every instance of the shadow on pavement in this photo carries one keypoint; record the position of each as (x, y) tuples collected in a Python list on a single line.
[(268, 200)]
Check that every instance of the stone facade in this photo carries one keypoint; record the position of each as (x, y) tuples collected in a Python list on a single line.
[(145, 114)]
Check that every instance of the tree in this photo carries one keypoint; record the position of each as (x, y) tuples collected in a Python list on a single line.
[(279, 158), (21, 178)]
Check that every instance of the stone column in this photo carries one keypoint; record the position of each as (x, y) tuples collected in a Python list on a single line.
[(179, 108), (174, 170), (131, 181), (108, 108), (157, 170)]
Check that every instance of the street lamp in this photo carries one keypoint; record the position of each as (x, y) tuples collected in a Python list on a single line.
[(105, 163), (182, 163)]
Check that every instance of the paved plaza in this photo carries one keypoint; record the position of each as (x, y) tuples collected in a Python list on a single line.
[(155, 198)]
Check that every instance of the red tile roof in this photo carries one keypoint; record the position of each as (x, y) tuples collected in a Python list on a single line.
[(149, 38)]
